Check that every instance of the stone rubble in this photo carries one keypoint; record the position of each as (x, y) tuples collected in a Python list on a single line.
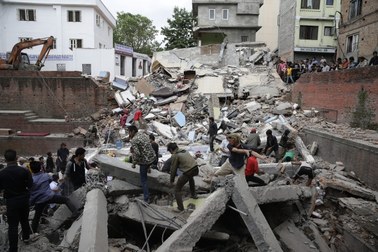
[(176, 99)]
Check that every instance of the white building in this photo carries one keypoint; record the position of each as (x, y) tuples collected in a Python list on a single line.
[(83, 32), (268, 32)]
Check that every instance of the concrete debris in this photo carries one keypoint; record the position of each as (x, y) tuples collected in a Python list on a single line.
[(335, 213)]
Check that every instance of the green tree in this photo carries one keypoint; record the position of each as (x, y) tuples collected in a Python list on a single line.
[(179, 33), (136, 31)]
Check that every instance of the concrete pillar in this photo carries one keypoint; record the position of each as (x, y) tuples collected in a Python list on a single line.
[(253, 218), (94, 229), (200, 221)]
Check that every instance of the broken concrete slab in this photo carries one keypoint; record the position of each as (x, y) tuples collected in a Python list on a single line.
[(152, 214), (293, 238), (166, 100), (165, 130), (143, 87), (266, 194), (253, 218), (156, 180), (347, 186), (72, 233), (118, 187), (318, 239), (210, 85), (94, 237), (200, 221)]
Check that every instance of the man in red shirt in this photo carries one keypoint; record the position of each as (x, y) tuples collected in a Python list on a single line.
[(251, 168)]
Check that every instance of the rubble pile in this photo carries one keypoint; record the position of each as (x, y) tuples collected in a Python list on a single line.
[(337, 213)]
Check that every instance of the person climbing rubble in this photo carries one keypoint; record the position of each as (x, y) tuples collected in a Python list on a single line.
[(304, 169), (142, 154), (271, 145), (238, 155), (182, 160), (41, 195)]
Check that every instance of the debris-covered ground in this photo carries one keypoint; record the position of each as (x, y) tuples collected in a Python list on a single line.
[(336, 213)]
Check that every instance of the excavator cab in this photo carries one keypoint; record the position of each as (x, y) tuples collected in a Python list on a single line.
[(17, 60)]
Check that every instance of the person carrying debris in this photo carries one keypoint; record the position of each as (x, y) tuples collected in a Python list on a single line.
[(212, 132), (238, 155), (271, 145), (188, 165), (41, 195), (253, 140), (16, 182), (74, 176), (304, 169), (142, 154)]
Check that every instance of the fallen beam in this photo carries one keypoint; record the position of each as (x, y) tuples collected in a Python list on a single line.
[(301, 147), (253, 218), (198, 223), (267, 194), (274, 168), (349, 187), (157, 180), (94, 231)]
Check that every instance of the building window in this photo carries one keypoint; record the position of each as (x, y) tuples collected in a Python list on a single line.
[(225, 14), (61, 67), (98, 20), (99, 45), (308, 32), (310, 4), (352, 43), (244, 38), (74, 16), (109, 30), (329, 2), (23, 39), (26, 15), (211, 14), (355, 8), (329, 31), (76, 43)]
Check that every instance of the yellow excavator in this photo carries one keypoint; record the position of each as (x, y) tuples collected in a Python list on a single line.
[(16, 60)]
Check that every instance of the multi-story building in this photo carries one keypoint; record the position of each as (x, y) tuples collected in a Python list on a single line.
[(234, 20), (307, 29), (269, 26), (73, 24), (358, 29), (83, 32)]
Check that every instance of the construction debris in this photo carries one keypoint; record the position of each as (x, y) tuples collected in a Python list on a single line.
[(185, 87)]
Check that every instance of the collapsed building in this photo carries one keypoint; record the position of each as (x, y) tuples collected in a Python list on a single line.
[(238, 86)]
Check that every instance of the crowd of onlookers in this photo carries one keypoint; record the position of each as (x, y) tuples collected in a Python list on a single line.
[(291, 71)]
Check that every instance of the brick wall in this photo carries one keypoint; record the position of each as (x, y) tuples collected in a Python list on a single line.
[(52, 94), (336, 92)]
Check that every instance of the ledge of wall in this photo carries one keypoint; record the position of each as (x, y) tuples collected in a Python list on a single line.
[(357, 156)]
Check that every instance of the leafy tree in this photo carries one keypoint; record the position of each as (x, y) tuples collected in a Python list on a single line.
[(179, 33), (137, 32)]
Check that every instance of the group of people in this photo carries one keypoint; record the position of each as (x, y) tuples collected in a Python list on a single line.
[(32, 185), (291, 71)]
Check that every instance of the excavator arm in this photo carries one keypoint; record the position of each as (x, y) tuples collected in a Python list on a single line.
[(14, 60)]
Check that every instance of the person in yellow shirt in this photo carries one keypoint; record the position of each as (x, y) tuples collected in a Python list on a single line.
[(289, 74)]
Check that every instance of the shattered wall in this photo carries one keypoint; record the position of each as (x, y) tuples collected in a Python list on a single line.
[(51, 94), (337, 91)]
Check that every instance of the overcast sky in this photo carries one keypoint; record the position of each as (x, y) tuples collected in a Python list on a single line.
[(156, 10)]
